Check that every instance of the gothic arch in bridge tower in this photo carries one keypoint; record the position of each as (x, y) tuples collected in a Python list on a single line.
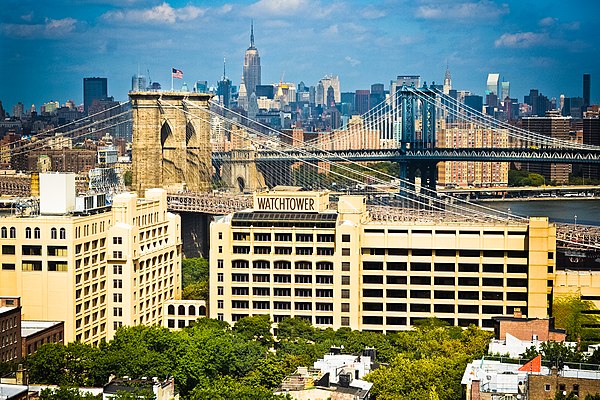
[(241, 173), (171, 141)]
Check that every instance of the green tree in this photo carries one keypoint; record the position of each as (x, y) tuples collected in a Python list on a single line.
[(227, 388), (294, 328), (257, 327), (65, 393), (195, 277), (568, 313), (194, 270), (128, 178), (74, 365), (143, 394)]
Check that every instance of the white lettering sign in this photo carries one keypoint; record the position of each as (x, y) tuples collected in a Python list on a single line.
[(304, 204)]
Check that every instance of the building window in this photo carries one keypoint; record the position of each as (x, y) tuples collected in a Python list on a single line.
[(53, 233), (31, 265), (345, 266), (117, 240), (4, 232), (37, 233), (118, 297), (27, 233), (345, 293), (220, 317), (117, 254), (13, 232), (345, 307), (220, 235), (117, 283), (171, 310), (219, 263), (117, 269), (220, 249), (220, 277), (8, 249), (345, 238), (220, 291), (345, 321), (547, 387), (219, 303), (346, 251), (117, 312), (345, 280)]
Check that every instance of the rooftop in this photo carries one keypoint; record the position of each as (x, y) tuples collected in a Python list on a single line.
[(29, 328)]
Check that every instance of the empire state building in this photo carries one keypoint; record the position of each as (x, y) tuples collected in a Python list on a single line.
[(251, 74)]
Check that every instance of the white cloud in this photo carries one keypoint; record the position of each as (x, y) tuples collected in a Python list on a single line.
[(352, 61), (277, 7), (483, 11), (50, 29), (548, 21), (287, 8), (372, 12), (162, 13), (521, 40)]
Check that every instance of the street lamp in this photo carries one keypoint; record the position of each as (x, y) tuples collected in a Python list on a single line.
[(575, 217)]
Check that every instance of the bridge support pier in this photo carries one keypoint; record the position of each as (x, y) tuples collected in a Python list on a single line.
[(241, 172)]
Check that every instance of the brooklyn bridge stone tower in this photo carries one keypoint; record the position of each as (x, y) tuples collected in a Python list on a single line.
[(171, 141)]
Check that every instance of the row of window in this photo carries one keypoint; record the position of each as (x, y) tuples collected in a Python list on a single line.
[(181, 310), (444, 267), (284, 237), (376, 251), (446, 281), (437, 308), (94, 229), (35, 250), (36, 265), (11, 233)]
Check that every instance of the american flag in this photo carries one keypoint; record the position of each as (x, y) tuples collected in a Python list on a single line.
[(177, 73)]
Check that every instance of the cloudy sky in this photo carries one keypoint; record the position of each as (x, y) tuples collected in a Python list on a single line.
[(47, 47)]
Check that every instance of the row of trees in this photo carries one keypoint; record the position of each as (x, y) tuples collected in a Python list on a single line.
[(211, 360)]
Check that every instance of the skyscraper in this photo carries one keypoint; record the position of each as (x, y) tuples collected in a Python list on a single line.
[(138, 83), (94, 89), (447, 81), (492, 84), (251, 73), (587, 80)]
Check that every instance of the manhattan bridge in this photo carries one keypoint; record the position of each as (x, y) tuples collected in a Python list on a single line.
[(180, 138)]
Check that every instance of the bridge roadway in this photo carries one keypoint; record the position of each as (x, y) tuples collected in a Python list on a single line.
[(586, 156), (571, 237)]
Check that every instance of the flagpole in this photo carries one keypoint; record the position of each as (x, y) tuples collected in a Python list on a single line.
[(171, 79)]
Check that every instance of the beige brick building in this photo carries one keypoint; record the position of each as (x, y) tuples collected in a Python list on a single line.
[(293, 256), (95, 269), (472, 173)]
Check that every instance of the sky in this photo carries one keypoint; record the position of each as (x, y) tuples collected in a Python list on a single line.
[(48, 47)]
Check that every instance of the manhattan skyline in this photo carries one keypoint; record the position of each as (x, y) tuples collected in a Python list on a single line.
[(49, 48)]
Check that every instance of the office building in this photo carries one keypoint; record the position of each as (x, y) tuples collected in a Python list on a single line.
[(93, 266), (406, 80), (94, 89), (293, 255), (556, 127), (538, 102), (323, 86), (587, 82), (138, 83), (493, 81), (251, 74), (361, 102), (504, 91), (474, 103)]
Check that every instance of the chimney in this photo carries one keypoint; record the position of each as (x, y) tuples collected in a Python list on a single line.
[(517, 313)]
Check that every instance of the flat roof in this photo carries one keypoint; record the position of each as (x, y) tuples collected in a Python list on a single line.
[(29, 328), (7, 309), (8, 391)]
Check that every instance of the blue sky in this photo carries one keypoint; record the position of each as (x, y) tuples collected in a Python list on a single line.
[(48, 47)]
